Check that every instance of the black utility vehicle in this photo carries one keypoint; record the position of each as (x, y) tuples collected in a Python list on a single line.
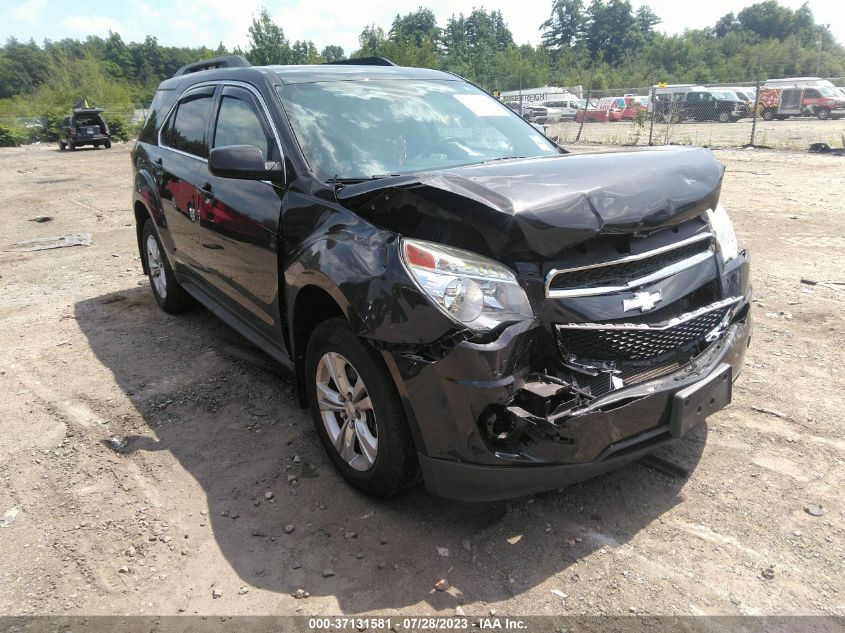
[(459, 298), (86, 126)]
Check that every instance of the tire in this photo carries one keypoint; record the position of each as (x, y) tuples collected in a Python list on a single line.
[(724, 117), (62, 146), (107, 144), (822, 113), (71, 145), (169, 295), (768, 115), (382, 468)]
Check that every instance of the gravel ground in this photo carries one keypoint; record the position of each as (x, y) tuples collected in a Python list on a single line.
[(216, 498)]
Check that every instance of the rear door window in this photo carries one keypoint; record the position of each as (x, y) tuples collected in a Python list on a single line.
[(186, 130)]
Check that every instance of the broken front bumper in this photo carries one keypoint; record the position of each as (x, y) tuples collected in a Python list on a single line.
[(446, 402)]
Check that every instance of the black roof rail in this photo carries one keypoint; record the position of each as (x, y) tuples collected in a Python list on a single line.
[(364, 61), (228, 61)]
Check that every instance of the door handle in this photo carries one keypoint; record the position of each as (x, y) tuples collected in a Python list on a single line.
[(207, 192)]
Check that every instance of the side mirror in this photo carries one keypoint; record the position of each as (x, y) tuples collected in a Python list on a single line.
[(242, 161)]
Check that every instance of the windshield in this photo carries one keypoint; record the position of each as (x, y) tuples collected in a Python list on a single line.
[(364, 129), (726, 94)]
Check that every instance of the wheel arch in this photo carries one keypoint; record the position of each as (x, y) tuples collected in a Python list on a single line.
[(311, 306)]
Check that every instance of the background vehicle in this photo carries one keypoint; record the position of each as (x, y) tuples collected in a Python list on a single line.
[(568, 107), (697, 103), (457, 297), (634, 105), (807, 96), (544, 114), (592, 114), (86, 126), (614, 107)]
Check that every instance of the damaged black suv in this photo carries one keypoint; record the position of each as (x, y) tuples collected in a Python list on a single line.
[(460, 300)]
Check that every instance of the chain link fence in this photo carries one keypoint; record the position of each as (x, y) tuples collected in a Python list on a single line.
[(788, 116)]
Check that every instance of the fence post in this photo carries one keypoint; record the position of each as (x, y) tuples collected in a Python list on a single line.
[(652, 107), (756, 108), (583, 116)]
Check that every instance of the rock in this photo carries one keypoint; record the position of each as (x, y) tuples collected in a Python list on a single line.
[(768, 573), (269, 495), (8, 517), (383, 541), (291, 479), (289, 528), (243, 591), (466, 545), (559, 593), (459, 610), (814, 509), (632, 609), (216, 593), (350, 534), (443, 551), (442, 585), (300, 594), (131, 551), (296, 459), (296, 565), (123, 570), (328, 572)]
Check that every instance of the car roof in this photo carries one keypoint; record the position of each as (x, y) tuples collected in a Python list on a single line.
[(308, 74)]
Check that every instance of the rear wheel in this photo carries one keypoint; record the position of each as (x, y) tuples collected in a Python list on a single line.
[(357, 412), (167, 292), (724, 117), (823, 113), (768, 115), (62, 146), (107, 144)]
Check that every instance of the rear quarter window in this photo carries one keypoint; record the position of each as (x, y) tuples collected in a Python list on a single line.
[(156, 112)]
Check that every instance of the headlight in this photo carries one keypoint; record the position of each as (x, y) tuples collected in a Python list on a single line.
[(473, 290), (722, 228)]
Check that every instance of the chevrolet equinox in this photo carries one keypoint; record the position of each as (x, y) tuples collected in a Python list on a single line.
[(459, 299)]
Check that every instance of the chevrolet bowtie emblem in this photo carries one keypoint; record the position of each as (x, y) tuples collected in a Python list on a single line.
[(642, 300)]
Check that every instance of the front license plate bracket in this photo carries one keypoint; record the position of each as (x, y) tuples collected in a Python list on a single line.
[(690, 406)]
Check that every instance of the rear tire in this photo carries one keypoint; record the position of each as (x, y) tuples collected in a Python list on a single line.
[(371, 447), (71, 145), (822, 113), (62, 146), (107, 144), (169, 295), (768, 115)]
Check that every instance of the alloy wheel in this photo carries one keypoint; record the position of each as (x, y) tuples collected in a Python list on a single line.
[(347, 411), (154, 261)]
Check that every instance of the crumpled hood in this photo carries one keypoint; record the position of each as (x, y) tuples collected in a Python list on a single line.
[(548, 204)]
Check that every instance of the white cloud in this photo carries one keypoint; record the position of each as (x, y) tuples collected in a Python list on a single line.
[(93, 25), (30, 12)]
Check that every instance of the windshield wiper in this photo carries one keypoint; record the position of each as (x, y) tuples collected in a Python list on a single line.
[(492, 160)]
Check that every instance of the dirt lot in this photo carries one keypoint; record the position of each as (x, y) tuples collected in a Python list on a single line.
[(796, 133), (213, 431)]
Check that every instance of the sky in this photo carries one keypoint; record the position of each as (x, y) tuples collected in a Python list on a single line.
[(208, 22)]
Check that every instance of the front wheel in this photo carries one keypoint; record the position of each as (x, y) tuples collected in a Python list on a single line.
[(357, 411), (823, 113), (724, 117), (768, 115), (167, 292)]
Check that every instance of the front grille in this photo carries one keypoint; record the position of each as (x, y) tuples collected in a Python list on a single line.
[(633, 374), (619, 273), (620, 342)]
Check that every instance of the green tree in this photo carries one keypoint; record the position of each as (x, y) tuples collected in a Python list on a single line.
[(332, 53), (267, 42), (565, 26)]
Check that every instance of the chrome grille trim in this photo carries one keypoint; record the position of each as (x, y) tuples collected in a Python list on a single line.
[(689, 316), (655, 276)]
